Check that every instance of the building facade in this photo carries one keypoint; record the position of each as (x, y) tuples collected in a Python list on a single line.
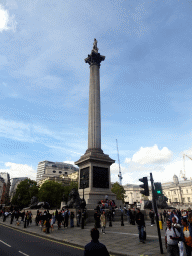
[(6, 178), (14, 183), (133, 195), (178, 191), (47, 169), (64, 179)]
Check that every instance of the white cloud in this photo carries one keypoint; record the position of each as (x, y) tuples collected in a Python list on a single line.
[(152, 155), (70, 162), (7, 22), (127, 160), (19, 170)]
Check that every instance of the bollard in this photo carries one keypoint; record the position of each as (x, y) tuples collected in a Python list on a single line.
[(110, 218), (160, 224), (82, 220), (122, 223), (25, 223)]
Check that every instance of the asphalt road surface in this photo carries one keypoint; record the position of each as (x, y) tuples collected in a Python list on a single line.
[(18, 243)]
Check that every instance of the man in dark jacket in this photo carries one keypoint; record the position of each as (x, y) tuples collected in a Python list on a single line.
[(141, 224), (95, 248), (152, 216)]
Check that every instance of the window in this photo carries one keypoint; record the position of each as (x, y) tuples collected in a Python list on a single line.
[(175, 192), (175, 199), (169, 193), (186, 190), (54, 171), (188, 199), (60, 172), (65, 172)]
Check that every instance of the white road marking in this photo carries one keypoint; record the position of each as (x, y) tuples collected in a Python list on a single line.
[(5, 243), (24, 253)]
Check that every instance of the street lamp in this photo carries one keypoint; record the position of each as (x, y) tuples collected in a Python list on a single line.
[(83, 203)]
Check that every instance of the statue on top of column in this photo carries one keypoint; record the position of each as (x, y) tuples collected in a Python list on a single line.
[(95, 49)]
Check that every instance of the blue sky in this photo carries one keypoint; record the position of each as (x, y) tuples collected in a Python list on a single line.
[(145, 84)]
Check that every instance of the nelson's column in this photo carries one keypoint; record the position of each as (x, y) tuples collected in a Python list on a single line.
[(94, 165)]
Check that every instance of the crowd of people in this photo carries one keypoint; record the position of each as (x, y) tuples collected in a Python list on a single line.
[(43, 218), (178, 234)]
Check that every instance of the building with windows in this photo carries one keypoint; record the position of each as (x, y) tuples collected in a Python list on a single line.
[(14, 183), (178, 191), (64, 179), (133, 195), (47, 169), (6, 178)]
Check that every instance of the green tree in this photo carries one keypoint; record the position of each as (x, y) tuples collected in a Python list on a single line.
[(119, 191), (67, 189), (51, 192), (26, 189)]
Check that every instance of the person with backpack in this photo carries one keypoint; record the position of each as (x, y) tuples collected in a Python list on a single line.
[(175, 224), (172, 237)]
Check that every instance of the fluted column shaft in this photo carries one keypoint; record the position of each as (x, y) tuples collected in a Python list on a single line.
[(94, 128)]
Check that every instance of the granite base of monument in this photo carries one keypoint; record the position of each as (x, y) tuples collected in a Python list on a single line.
[(94, 178)]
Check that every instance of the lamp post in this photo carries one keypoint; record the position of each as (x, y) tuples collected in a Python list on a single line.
[(83, 203)]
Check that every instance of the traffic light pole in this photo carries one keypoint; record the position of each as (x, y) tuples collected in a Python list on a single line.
[(156, 213)]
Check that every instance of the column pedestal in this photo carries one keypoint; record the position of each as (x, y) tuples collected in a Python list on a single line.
[(95, 167)]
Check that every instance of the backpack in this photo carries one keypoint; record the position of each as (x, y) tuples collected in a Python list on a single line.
[(173, 230)]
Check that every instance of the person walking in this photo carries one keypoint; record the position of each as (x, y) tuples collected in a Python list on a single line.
[(151, 216), (103, 222), (186, 235), (133, 217), (78, 218), (128, 216), (71, 219), (141, 224), (97, 219), (12, 216), (171, 240), (66, 218), (95, 248), (47, 225), (165, 215)]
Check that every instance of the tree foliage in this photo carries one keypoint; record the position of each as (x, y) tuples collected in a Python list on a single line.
[(119, 191), (26, 189), (51, 192)]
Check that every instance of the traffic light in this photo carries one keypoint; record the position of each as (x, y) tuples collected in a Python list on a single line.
[(158, 189), (145, 186)]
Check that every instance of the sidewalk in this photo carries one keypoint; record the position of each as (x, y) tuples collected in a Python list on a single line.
[(119, 240)]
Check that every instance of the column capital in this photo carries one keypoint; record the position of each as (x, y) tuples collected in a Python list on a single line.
[(94, 58)]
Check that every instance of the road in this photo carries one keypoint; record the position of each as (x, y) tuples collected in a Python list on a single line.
[(18, 243)]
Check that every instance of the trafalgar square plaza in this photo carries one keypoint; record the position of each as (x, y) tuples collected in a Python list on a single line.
[(95, 128), (94, 185)]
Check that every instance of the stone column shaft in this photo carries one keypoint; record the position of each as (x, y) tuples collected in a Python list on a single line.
[(94, 128)]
